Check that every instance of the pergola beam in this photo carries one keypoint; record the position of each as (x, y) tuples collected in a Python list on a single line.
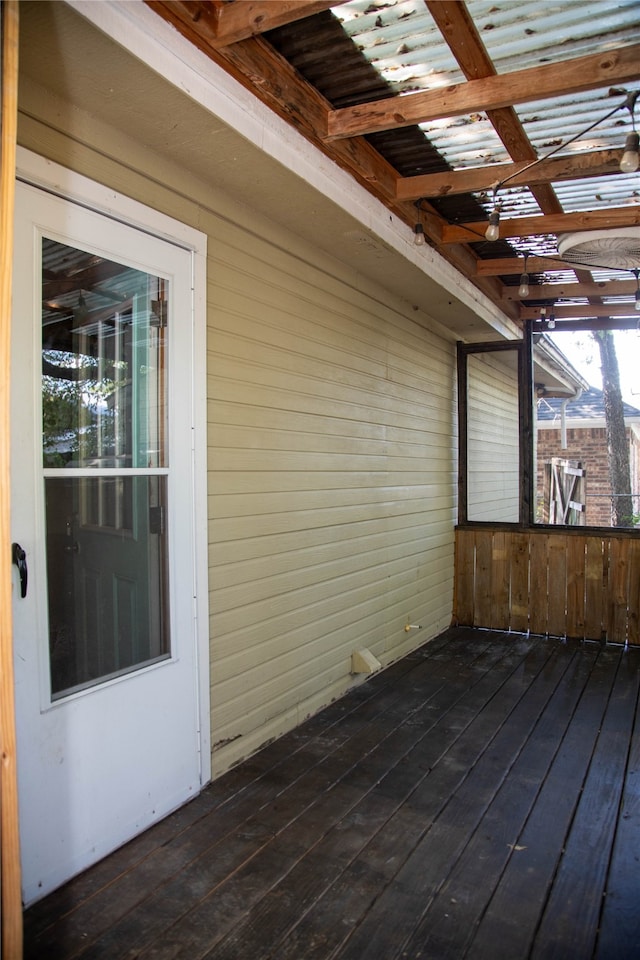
[(576, 311), (566, 291), (550, 223), (225, 23), (507, 266), (255, 64), (576, 166), (588, 323), (489, 93)]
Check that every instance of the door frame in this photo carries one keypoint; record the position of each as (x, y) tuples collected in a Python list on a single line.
[(53, 178)]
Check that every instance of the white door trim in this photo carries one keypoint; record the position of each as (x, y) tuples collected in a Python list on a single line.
[(36, 170)]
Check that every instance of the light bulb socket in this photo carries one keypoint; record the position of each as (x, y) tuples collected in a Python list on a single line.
[(418, 235), (631, 157), (523, 289)]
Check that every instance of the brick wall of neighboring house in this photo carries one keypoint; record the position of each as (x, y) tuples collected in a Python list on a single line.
[(589, 446)]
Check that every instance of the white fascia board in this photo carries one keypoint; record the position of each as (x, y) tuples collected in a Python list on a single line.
[(140, 31), (586, 423)]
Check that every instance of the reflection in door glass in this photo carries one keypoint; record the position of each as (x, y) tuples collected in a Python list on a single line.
[(103, 362), (104, 412), (106, 576)]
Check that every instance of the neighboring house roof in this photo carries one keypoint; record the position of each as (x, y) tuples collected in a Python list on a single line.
[(588, 406)]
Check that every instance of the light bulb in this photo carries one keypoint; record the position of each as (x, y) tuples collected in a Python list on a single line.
[(551, 323), (493, 230), (523, 289), (638, 299), (630, 158), (418, 235)]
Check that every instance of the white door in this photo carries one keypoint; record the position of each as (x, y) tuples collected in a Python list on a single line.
[(102, 507)]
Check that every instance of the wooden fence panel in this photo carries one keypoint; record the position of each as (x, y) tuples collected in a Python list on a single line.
[(578, 585), (633, 634), (575, 587), (618, 590), (520, 582), (482, 592), (596, 554), (557, 563), (539, 585), (500, 581), (464, 577)]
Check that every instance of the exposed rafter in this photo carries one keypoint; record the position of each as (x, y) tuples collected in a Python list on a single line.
[(575, 311), (223, 23), (231, 34), (597, 164), (255, 64), (509, 266), (565, 291), (490, 93), (551, 223)]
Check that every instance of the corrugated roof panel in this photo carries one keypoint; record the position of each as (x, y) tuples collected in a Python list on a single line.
[(402, 43), (519, 35), (469, 141), (599, 192), (402, 40)]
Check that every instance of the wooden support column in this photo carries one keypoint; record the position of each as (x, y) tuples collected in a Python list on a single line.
[(11, 917), (525, 395)]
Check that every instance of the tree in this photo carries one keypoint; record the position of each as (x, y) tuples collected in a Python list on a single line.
[(617, 445)]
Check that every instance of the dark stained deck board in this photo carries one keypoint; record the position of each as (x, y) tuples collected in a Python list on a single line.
[(479, 798), (510, 921), (345, 781), (619, 934)]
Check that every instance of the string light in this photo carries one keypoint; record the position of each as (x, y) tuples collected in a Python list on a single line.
[(631, 158), (418, 235), (493, 230), (628, 164), (523, 289)]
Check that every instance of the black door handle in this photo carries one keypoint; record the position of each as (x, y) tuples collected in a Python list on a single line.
[(19, 557)]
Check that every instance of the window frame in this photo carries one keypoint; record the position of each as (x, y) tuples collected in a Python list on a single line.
[(527, 465)]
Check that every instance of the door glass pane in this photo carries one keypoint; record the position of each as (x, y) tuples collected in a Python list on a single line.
[(106, 577), (104, 410), (103, 362)]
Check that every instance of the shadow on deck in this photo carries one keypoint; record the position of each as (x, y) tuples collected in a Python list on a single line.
[(478, 799)]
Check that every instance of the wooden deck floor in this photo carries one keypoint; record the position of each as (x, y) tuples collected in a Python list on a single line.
[(479, 799)]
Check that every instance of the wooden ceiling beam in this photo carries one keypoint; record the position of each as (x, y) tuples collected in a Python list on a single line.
[(551, 223), (225, 23), (565, 291), (257, 66), (493, 92), (587, 323), (478, 179), (506, 266), (459, 30), (576, 312)]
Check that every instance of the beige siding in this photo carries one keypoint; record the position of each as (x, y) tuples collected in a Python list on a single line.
[(332, 459), (493, 441)]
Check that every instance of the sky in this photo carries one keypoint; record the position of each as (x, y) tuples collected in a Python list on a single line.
[(582, 352)]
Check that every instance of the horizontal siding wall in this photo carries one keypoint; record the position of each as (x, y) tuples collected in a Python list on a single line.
[(493, 440), (332, 459), (331, 426)]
